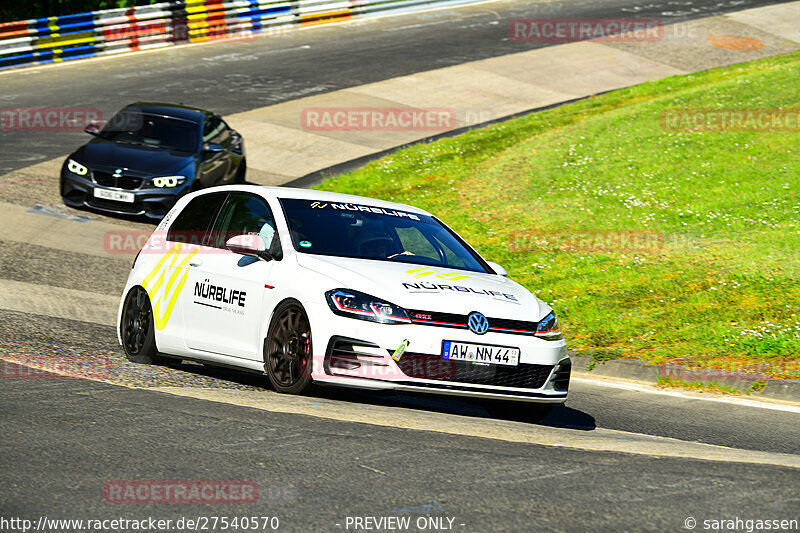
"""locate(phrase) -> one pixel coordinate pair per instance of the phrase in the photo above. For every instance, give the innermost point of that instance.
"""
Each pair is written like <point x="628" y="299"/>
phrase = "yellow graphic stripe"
<point x="452" y="277"/>
<point x="181" y="270"/>
<point x="422" y="272"/>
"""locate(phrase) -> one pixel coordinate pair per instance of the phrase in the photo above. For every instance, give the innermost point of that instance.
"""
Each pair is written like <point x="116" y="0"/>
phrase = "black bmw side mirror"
<point x="213" y="148"/>
<point x="92" y="128"/>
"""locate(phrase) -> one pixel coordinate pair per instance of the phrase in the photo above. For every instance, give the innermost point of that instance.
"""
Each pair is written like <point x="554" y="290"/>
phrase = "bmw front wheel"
<point x="241" y="172"/>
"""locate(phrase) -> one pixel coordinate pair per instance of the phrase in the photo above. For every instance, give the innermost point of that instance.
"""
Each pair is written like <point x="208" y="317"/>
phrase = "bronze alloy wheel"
<point x="287" y="349"/>
<point x="137" y="329"/>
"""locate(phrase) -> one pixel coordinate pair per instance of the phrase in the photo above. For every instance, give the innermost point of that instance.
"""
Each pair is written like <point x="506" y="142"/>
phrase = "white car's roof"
<point x="323" y="196"/>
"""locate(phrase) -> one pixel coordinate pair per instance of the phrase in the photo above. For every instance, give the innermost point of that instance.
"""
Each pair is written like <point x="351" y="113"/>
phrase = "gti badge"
<point x="478" y="323"/>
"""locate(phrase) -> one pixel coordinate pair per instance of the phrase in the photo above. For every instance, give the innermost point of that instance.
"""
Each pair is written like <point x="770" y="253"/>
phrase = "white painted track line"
<point x="651" y="389"/>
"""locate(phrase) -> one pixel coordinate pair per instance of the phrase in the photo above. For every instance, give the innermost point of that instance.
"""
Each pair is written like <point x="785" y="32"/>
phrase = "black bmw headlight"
<point x="167" y="181"/>
<point x="76" y="168"/>
<point x="356" y="304"/>
<point x="548" y="329"/>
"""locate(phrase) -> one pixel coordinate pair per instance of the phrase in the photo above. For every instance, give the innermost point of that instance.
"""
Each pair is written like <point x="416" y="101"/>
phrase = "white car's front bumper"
<point x="357" y="353"/>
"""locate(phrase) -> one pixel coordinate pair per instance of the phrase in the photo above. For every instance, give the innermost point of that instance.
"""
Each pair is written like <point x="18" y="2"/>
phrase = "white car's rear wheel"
<point x="137" y="329"/>
<point x="287" y="349"/>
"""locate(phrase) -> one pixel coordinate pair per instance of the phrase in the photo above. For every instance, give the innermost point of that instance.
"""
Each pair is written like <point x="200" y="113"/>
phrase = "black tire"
<point x="241" y="172"/>
<point x="137" y="329"/>
<point x="288" y="349"/>
<point x="518" y="411"/>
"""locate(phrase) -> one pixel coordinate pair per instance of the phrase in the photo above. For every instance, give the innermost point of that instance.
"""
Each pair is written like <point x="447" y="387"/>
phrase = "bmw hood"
<point x="424" y="288"/>
<point x="101" y="153"/>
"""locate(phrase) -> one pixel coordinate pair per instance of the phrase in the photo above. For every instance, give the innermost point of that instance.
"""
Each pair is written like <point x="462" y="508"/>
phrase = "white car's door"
<point x="224" y="312"/>
<point x="165" y="266"/>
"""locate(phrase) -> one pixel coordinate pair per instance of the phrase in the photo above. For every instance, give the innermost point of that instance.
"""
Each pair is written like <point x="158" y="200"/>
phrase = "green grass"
<point x="711" y="220"/>
<point x="702" y="386"/>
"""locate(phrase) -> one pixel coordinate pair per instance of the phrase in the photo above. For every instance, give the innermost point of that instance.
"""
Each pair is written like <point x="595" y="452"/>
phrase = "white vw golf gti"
<point x="315" y="287"/>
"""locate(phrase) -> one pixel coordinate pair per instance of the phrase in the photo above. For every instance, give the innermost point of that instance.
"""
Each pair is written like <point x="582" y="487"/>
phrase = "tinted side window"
<point x="245" y="214"/>
<point x="192" y="223"/>
<point x="212" y="127"/>
<point x="223" y="136"/>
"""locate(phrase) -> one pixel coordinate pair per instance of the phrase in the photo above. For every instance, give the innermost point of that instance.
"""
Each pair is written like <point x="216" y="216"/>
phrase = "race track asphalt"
<point x="65" y="439"/>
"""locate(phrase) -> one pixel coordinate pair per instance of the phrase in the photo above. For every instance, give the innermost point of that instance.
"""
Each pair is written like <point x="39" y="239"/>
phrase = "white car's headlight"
<point x="76" y="168"/>
<point x="548" y="329"/>
<point x="355" y="304"/>
<point x="168" y="181"/>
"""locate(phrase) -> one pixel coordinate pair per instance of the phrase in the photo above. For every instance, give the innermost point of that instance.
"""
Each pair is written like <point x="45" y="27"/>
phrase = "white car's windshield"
<point x="369" y="232"/>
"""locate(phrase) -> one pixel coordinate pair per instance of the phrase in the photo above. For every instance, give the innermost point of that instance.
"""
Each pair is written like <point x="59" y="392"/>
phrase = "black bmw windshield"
<point x="135" y="127"/>
<point x="367" y="232"/>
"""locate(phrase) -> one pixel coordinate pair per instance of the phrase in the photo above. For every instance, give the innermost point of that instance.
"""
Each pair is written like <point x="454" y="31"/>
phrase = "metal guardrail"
<point x="115" y="31"/>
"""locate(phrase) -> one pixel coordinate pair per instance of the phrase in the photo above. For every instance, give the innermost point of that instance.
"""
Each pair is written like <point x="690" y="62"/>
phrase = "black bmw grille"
<point x="105" y="179"/>
<point x="123" y="182"/>
<point x="426" y="366"/>
<point x="110" y="205"/>
<point x="129" y="182"/>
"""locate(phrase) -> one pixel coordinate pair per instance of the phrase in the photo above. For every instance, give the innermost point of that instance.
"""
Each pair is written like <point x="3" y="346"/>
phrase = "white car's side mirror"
<point x="500" y="271"/>
<point x="252" y="245"/>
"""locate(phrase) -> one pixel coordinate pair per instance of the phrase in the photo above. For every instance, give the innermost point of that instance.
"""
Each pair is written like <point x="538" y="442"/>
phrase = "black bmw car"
<point x="149" y="155"/>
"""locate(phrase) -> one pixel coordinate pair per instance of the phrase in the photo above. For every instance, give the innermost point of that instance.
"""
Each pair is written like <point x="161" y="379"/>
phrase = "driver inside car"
<point x="375" y="245"/>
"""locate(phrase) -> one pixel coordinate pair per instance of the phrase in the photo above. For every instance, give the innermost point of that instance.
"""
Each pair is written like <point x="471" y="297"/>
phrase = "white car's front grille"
<point x="452" y="320"/>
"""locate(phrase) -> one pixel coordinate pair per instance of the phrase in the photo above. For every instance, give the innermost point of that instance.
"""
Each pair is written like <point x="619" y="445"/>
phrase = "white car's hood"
<point x="423" y="288"/>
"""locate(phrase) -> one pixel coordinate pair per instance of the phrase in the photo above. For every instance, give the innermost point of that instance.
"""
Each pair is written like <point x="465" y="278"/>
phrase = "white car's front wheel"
<point x="287" y="349"/>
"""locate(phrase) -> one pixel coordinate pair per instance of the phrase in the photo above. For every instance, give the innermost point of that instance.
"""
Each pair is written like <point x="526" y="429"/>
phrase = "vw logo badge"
<point x="478" y="323"/>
